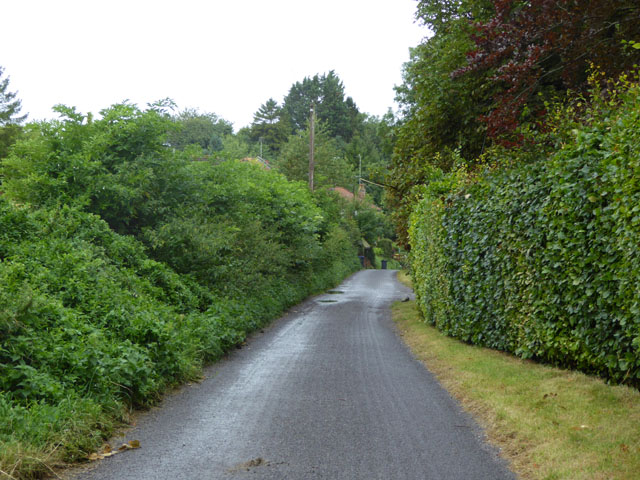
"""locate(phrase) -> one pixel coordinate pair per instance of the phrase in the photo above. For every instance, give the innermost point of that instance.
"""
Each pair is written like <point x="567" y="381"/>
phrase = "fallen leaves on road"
<point x="108" y="451"/>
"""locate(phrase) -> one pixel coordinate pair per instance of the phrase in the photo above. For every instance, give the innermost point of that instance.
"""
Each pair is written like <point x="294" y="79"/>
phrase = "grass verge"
<point x="550" y="423"/>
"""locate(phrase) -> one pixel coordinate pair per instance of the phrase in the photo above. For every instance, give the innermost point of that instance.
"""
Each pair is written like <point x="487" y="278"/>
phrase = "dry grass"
<point x="549" y="423"/>
<point x="19" y="462"/>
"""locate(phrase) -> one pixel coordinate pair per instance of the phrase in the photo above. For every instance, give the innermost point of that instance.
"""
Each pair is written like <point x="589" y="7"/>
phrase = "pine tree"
<point x="270" y="127"/>
<point x="10" y="106"/>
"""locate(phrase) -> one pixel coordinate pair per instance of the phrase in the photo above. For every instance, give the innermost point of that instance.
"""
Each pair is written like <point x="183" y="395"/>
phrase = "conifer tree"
<point x="10" y="106"/>
<point x="10" y="121"/>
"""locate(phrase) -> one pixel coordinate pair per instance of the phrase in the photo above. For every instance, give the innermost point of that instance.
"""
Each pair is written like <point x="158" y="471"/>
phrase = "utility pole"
<point x="311" y="146"/>
<point x="361" y="189"/>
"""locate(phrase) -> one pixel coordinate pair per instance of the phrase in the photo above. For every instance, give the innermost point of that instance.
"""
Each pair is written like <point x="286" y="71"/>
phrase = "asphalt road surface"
<point x="329" y="391"/>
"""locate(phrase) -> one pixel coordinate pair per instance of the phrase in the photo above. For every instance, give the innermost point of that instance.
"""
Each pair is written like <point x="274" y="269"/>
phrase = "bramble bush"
<point x="542" y="259"/>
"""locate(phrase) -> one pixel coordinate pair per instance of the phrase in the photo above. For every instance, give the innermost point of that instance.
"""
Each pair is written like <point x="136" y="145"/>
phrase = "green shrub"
<point x="386" y="247"/>
<point x="125" y="266"/>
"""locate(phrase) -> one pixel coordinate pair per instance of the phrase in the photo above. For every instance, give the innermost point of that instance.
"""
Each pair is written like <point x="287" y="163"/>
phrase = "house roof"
<point x="347" y="195"/>
<point x="343" y="192"/>
<point x="257" y="161"/>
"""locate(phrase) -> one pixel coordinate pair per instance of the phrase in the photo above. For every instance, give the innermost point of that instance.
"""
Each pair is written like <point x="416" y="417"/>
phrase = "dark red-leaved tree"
<point x="539" y="48"/>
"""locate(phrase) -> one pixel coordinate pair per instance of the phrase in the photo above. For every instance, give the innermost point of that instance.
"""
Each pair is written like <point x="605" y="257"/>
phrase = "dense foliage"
<point x="514" y="178"/>
<point x="488" y="73"/>
<point x="326" y="94"/>
<point x="270" y="128"/>
<point x="331" y="167"/>
<point x="138" y="244"/>
<point x="440" y="114"/>
<point x="347" y="142"/>
<point x="126" y="263"/>
<point x="204" y="130"/>
<point x="542" y="48"/>
<point x="10" y="118"/>
<point x="541" y="259"/>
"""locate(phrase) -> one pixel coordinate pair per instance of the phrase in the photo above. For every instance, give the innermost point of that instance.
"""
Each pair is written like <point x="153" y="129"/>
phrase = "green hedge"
<point x="543" y="260"/>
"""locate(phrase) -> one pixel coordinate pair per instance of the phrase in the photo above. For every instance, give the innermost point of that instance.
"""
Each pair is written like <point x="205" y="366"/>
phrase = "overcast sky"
<point x="221" y="56"/>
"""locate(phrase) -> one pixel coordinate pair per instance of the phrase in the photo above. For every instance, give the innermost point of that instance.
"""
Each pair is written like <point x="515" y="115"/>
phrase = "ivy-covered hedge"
<point x="543" y="260"/>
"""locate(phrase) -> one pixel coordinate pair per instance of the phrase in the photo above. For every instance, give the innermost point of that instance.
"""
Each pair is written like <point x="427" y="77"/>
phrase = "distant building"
<point x="257" y="161"/>
<point x="344" y="193"/>
<point x="347" y="195"/>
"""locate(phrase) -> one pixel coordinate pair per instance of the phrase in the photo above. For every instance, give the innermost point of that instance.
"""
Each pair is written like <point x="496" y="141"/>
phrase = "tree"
<point x="331" y="167"/>
<point x="440" y="15"/>
<point x="268" y="113"/>
<point x="10" y="121"/>
<point x="118" y="167"/>
<point x="270" y="127"/>
<point x="369" y="151"/>
<point x="10" y="106"/>
<point x="8" y="136"/>
<point x="440" y="118"/>
<point x="326" y="93"/>
<point x="540" y="49"/>
<point x="206" y="130"/>
<point x="235" y="147"/>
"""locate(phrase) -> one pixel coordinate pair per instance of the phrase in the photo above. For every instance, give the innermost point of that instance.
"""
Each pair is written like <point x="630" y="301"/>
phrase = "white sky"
<point x="221" y="56"/>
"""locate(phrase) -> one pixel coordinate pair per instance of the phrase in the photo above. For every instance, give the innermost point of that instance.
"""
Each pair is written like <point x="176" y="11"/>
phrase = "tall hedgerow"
<point x="541" y="260"/>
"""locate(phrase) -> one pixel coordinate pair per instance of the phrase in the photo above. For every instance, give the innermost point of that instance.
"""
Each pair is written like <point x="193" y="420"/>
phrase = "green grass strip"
<point x="549" y="423"/>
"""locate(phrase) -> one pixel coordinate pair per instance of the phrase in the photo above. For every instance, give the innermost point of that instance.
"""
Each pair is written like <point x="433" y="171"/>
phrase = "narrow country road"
<point x="327" y="392"/>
